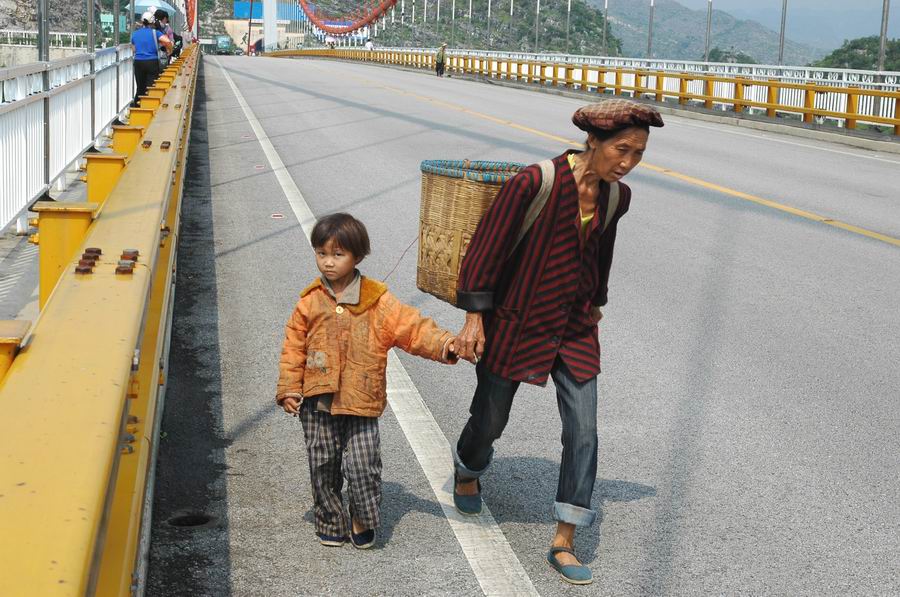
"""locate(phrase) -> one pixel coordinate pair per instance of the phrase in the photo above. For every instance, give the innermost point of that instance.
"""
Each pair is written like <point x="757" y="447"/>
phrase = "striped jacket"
<point x="537" y="303"/>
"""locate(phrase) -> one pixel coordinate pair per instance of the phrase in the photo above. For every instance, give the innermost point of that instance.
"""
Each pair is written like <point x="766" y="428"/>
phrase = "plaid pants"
<point x="342" y="446"/>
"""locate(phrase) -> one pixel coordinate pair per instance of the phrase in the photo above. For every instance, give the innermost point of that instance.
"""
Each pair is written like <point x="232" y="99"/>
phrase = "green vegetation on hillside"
<point x="862" y="54"/>
<point x="512" y="34"/>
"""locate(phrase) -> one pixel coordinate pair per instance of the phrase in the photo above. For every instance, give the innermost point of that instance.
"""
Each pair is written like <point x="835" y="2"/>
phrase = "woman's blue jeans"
<point x="578" y="411"/>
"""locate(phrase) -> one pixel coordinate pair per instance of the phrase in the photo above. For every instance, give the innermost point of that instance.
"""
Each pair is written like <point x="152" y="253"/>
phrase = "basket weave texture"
<point x="455" y="195"/>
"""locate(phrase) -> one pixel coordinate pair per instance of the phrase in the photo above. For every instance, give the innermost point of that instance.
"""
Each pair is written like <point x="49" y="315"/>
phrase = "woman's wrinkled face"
<point x="614" y="158"/>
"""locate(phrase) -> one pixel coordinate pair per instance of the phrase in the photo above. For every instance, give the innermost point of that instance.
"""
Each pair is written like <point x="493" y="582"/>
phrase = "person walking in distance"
<point x="146" y="42"/>
<point x="533" y="307"/>
<point x="440" y="59"/>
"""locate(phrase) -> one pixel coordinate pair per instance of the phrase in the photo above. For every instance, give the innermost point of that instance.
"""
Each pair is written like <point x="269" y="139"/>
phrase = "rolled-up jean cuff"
<point x="464" y="472"/>
<point x="581" y="517"/>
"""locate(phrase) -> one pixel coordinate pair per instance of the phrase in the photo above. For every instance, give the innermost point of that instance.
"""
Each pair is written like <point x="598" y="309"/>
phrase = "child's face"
<point x="335" y="263"/>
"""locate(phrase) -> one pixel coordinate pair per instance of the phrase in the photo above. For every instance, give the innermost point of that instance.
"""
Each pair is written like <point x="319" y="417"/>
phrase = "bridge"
<point x="748" y="426"/>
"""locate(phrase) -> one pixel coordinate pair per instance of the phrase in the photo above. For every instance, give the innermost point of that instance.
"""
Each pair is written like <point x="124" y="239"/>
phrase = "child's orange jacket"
<point x="342" y="349"/>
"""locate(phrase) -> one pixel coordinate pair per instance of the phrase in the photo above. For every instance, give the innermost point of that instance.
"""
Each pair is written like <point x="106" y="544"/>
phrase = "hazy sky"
<point x="821" y="22"/>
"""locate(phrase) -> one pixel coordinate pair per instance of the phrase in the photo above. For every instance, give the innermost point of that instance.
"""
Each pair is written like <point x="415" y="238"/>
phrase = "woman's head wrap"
<point x="614" y="114"/>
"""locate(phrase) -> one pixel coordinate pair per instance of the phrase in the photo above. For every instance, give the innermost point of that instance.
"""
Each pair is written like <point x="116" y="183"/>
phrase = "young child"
<point x="332" y="374"/>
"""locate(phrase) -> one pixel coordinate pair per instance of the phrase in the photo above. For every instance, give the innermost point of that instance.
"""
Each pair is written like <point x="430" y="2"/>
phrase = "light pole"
<point x="708" y="29"/>
<point x="605" y="24"/>
<point x="884" y="29"/>
<point x="490" y="43"/>
<point x="783" y="24"/>
<point x="650" y="31"/>
<point x="470" y="23"/>
<point x="452" y="21"/>
<point x="537" y="20"/>
<point x="568" y="21"/>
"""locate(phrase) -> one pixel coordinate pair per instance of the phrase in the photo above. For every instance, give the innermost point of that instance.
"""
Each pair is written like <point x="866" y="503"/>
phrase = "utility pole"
<point x="568" y="21"/>
<point x="249" y="26"/>
<point x="650" y="31"/>
<point x="43" y="19"/>
<point x="452" y="21"/>
<point x="537" y="20"/>
<point x="116" y="35"/>
<point x="490" y="42"/>
<point x="882" y="50"/>
<point x="92" y="48"/>
<point x="605" y="24"/>
<point x="708" y="29"/>
<point x="783" y="25"/>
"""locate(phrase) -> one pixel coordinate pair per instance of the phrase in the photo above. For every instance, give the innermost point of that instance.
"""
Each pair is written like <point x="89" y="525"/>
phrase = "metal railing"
<point x="82" y="398"/>
<point x="845" y="97"/>
<point x="65" y="39"/>
<point x="51" y="113"/>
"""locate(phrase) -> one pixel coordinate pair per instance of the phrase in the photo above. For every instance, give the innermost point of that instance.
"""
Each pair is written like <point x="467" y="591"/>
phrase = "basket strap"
<point x="613" y="205"/>
<point x="548" y="176"/>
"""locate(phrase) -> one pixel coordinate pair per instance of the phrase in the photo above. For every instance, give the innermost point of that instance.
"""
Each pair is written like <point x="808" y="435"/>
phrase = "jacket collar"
<point x="369" y="293"/>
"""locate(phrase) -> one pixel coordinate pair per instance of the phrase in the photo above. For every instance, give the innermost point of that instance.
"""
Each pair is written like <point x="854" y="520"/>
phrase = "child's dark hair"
<point x="346" y="231"/>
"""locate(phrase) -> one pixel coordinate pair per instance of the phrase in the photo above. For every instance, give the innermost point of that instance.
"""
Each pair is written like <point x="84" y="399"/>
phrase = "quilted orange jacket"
<point x="342" y="349"/>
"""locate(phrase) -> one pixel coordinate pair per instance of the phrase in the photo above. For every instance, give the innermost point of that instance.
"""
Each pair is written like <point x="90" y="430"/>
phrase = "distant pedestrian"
<point x="162" y="23"/>
<point x="146" y="42"/>
<point x="439" y="60"/>
<point x="532" y="311"/>
<point x="370" y="45"/>
<point x="333" y="376"/>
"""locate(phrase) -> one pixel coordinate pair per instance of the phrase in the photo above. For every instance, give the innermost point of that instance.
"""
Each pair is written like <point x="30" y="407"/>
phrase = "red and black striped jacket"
<point x="537" y="303"/>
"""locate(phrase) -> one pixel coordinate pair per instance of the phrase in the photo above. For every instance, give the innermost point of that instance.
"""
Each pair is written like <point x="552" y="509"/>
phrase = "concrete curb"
<point x="801" y="130"/>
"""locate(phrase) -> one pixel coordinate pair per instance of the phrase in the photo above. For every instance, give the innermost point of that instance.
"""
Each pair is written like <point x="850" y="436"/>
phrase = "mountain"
<point x="862" y="54"/>
<point x="512" y="34"/>
<point x="680" y="33"/>
<point x="823" y="26"/>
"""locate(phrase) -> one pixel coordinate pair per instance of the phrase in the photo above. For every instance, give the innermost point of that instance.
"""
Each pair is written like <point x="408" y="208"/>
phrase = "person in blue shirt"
<point x="146" y="42"/>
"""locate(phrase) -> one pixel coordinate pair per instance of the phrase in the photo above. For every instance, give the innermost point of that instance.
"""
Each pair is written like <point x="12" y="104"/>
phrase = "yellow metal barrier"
<point x="549" y="74"/>
<point x="80" y="401"/>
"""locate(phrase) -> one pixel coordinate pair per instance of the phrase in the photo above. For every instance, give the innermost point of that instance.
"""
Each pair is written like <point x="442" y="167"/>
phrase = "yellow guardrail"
<point x="80" y="403"/>
<point x="646" y="83"/>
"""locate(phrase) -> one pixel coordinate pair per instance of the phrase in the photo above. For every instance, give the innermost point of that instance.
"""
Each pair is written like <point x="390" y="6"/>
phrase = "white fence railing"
<point x="789" y="97"/>
<point x="65" y="39"/>
<point x="50" y="114"/>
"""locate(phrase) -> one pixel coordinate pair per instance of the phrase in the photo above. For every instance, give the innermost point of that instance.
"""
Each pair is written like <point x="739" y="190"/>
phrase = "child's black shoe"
<point x="331" y="540"/>
<point x="363" y="540"/>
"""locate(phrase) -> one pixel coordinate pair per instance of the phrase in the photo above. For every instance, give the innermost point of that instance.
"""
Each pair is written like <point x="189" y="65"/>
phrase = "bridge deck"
<point x="748" y="423"/>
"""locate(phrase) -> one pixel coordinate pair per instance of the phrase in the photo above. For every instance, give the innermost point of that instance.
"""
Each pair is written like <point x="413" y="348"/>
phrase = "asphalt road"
<point x="749" y="426"/>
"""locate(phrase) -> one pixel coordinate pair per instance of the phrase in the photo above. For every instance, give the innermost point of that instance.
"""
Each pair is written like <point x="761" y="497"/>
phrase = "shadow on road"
<point x="193" y="560"/>
<point x="528" y="491"/>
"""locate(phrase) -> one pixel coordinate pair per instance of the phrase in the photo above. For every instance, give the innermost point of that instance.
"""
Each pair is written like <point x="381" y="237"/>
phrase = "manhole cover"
<point x="191" y="519"/>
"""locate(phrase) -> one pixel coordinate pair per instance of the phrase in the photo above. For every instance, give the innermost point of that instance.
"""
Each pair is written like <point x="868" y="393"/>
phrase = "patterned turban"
<point x="614" y="114"/>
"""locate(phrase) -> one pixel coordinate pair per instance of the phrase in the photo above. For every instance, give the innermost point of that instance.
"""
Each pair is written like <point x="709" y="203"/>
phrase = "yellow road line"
<point x="658" y="169"/>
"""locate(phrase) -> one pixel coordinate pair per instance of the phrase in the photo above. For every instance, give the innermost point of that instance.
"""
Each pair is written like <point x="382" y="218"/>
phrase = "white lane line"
<point x="492" y="560"/>
<point x="774" y="138"/>
<point x="294" y="196"/>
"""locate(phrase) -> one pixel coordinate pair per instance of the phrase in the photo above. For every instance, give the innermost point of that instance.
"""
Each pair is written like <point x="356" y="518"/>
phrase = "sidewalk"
<point x="19" y="258"/>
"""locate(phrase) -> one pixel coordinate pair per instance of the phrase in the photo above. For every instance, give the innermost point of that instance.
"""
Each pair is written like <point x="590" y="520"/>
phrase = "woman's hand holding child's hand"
<point x="449" y="355"/>
<point x="291" y="405"/>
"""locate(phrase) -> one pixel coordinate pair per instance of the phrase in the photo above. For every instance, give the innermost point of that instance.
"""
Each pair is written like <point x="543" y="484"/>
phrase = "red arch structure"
<point x="372" y="13"/>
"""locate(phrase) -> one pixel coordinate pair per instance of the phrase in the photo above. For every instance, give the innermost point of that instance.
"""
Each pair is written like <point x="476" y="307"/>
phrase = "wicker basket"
<point x="455" y="194"/>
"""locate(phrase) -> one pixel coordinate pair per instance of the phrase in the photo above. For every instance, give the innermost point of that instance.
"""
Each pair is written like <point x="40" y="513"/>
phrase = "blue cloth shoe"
<point x="469" y="505"/>
<point x="575" y="574"/>
<point x="331" y="540"/>
<point x="363" y="540"/>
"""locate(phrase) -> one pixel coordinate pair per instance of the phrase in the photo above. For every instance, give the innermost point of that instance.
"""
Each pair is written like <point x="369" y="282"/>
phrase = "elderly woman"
<point x="533" y="303"/>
